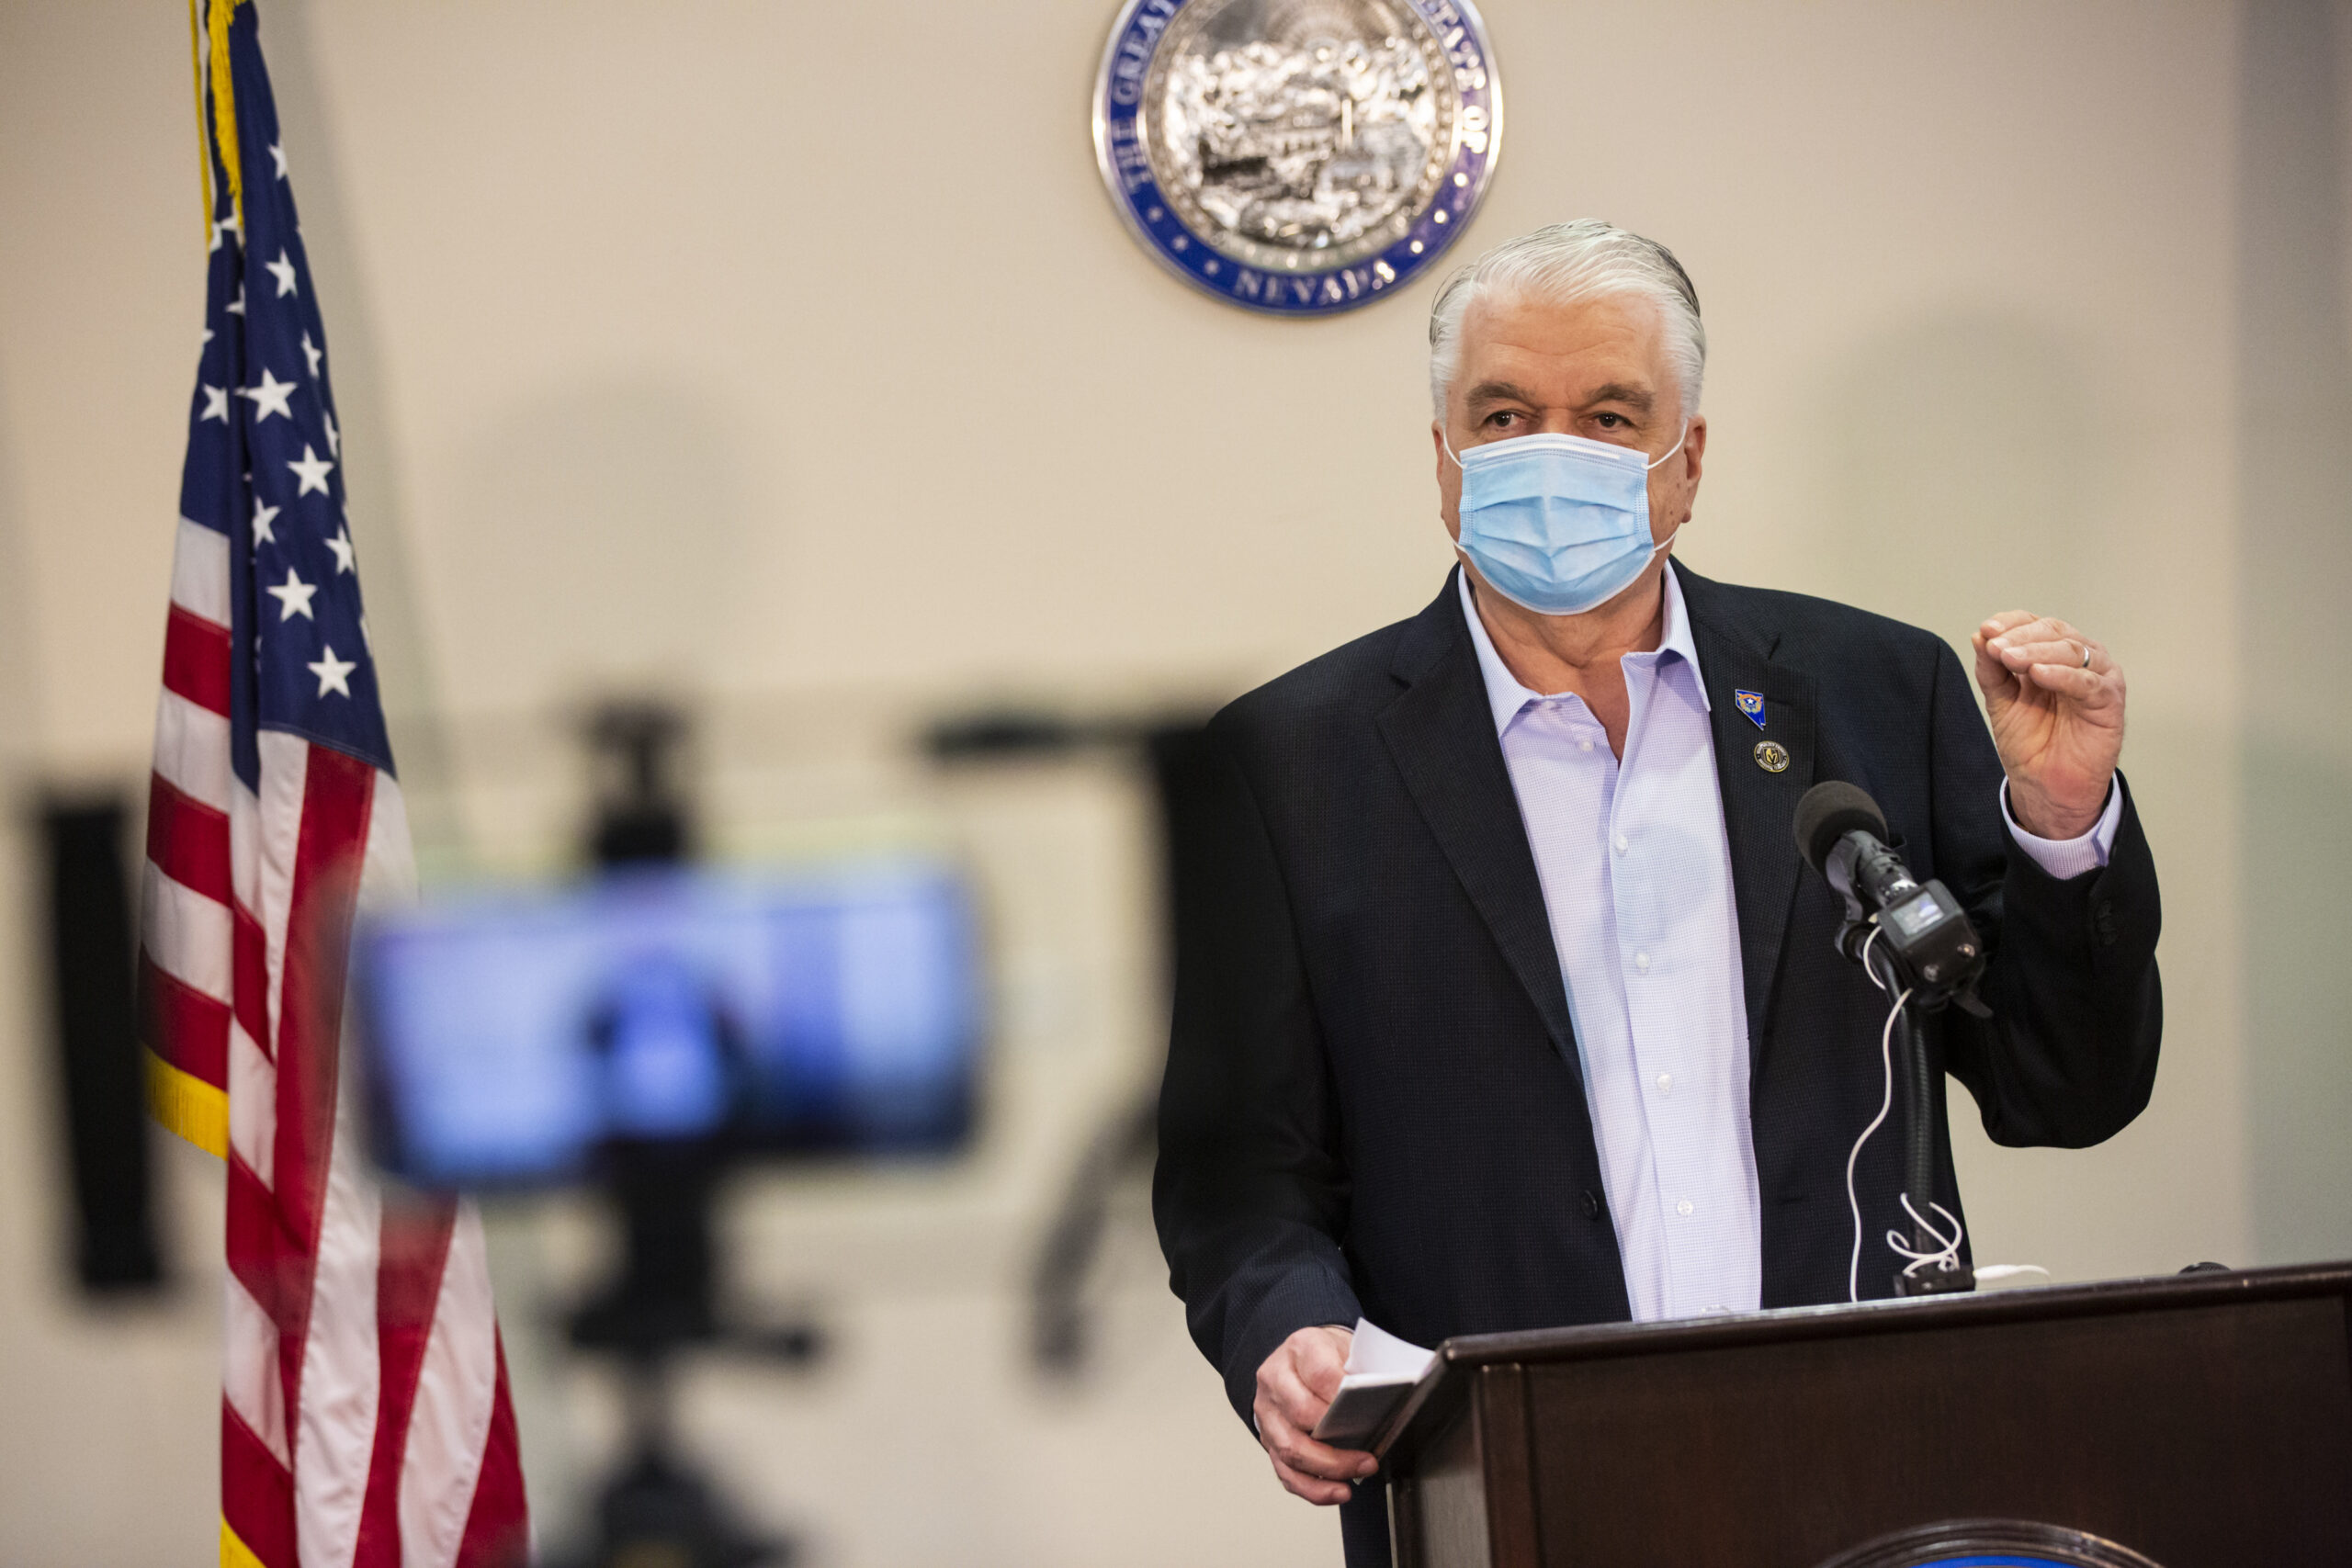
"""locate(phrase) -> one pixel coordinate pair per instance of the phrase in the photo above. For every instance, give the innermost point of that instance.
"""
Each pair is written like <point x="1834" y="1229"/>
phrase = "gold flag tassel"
<point x="208" y="23"/>
<point x="181" y="1101"/>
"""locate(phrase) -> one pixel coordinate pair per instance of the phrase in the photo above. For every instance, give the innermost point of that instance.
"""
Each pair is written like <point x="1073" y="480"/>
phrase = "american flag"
<point x="365" y="1418"/>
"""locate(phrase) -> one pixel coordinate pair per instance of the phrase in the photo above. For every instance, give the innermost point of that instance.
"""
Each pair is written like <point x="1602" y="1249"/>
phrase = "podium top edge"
<point x="2093" y="1298"/>
<point x="2165" y="1292"/>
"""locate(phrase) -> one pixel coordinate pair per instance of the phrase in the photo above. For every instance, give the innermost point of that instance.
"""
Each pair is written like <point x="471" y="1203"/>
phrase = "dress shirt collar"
<point x="1505" y="696"/>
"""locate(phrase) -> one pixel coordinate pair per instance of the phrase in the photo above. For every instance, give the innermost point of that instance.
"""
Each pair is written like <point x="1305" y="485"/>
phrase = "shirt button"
<point x="1642" y="962"/>
<point x="1622" y="843"/>
<point x="1666" y="1083"/>
<point x="1683" y="1207"/>
<point x="1584" y="745"/>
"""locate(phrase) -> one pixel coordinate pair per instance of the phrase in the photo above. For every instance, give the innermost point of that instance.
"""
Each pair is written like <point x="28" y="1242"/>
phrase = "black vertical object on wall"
<point x="103" y="1087"/>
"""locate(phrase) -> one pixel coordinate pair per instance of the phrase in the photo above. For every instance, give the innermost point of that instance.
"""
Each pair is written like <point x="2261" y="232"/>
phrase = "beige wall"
<point x="2295" y="496"/>
<point x="792" y="354"/>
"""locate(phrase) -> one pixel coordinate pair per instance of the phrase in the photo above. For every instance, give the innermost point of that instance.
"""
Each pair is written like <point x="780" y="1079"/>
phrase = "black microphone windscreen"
<point x="1828" y="812"/>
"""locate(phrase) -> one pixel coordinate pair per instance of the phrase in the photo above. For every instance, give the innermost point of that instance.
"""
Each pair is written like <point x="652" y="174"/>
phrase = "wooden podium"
<point x="2200" y="1421"/>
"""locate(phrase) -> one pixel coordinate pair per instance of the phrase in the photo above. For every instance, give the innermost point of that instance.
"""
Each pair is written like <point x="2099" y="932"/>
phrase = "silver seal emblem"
<point x="1298" y="156"/>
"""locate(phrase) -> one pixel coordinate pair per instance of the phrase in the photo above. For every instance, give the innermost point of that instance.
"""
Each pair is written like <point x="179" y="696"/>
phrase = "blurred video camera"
<point x="645" y="1031"/>
<point x="520" y="1039"/>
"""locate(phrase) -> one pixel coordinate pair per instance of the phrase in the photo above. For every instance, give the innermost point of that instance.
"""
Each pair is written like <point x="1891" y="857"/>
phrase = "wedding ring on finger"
<point x="2086" y="656"/>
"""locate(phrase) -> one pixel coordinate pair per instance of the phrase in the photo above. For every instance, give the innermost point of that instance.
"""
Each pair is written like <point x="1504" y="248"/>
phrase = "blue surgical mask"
<point x="1558" y="525"/>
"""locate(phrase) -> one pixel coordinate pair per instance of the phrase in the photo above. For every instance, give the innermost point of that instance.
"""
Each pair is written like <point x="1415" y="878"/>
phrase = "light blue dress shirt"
<point x="1635" y="867"/>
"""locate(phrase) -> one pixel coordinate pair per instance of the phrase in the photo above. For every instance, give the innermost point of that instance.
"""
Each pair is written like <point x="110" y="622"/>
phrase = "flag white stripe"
<point x="244" y="846"/>
<point x="192" y="751"/>
<point x="285" y="770"/>
<point x="184" y="933"/>
<point x="200" y="572"/>
<point x="340" y="1392"/>
<point x="249" y="1372"/>
<point x="457" y="1387"/>
<point x="388" y="868"/>
<point x="253" y="1105"/>
<point x="334" y="1444"/>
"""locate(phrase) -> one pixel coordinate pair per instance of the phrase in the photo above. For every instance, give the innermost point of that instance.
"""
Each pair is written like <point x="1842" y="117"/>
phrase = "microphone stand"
<point x="1913" y="1074"/>
<point x="1915" y="941"/>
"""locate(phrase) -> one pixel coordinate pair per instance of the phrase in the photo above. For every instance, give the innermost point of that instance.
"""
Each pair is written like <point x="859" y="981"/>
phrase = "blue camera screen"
<point x="507" y="1040"/>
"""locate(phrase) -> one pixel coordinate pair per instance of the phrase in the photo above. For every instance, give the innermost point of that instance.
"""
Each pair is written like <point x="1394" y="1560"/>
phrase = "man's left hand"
<point x="2055" y="700"/>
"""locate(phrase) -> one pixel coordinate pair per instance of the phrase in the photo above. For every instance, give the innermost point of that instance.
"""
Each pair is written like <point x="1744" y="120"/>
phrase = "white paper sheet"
<point x="1381" y="1370"/>
<point x="1377" y="1353"/>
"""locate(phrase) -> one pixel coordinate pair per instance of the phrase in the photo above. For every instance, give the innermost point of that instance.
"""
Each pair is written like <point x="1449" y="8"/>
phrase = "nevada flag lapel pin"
<point x="1752" y="705"/>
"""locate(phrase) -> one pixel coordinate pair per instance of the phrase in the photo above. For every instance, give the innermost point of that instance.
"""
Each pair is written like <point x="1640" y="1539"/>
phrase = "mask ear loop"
<point x="1669" y="451"/>
<point x="1661" y="464"/>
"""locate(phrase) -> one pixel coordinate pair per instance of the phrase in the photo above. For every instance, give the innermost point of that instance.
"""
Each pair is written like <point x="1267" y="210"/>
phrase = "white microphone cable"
<point x="1946" y="1256"/>
<point x="1885" y="1105"/>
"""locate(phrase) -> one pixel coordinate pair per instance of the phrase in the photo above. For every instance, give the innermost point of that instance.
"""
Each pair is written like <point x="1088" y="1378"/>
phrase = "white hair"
<point x="1565" y="262"/>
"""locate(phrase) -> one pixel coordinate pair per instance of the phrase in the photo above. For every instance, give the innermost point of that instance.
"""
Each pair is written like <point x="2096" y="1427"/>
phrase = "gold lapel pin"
<point x="1771" y="756"/>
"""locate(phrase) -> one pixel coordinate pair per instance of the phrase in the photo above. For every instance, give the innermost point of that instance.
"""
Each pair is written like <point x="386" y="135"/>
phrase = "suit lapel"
<point x="1441" y="734"/>
<point x="1759" y="804"/>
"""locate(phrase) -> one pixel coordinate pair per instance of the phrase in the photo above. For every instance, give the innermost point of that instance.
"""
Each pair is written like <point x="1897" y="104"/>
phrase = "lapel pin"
<point x="1771" y="756"/>
<point x="1752" y="705"/>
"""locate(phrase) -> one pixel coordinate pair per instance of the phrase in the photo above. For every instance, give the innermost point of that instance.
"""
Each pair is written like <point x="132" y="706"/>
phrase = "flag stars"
<point x="313" y="354"/>
<point x="263" y="515"/>
<point x="237" y="305"/>
<point x="313" y="470"/>
<point x="222" y="227"/>
<point x="278" y="158"/>
<point x="334" y="437"/>
<point x="334" y="673"/>
<point x="293" y="598"/>
<point x="341" y="545"/>
<point x="216" y="404"/>
<point x="270" y="397"/>
<point x="282" y="270"/>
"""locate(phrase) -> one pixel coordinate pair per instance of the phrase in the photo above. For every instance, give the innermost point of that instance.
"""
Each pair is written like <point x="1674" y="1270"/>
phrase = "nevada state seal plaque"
<point x="1298" y="157"/>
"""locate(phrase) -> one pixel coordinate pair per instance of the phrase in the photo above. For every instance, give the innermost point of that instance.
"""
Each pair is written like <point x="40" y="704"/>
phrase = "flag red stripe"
<point x="195" y="660"/>
<point x="498" y="1529"/>
<point x="412" y="1249"/>
<point x="257" y="1494"/>
<point x="275" y="1271"/>
<point x="188" y="839"/>
<point x="182" y="1025"/>
<point x="248" y="968"/>
<point x="276" y="1267"/>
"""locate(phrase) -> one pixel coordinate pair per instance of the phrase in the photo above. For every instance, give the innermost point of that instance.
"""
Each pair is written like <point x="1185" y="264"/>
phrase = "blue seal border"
<point x="1126" y="172"/>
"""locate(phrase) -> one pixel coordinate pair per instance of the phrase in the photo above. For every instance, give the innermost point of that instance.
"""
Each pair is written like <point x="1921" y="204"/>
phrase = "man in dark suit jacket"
<point x="1483" y="1026"/>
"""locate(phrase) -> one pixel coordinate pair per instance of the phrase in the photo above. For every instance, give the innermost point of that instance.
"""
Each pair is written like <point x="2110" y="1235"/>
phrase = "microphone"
<point x="1921" y="928"/>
